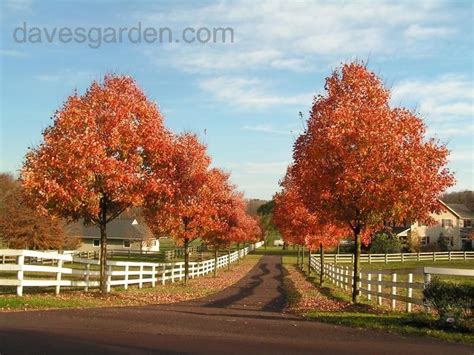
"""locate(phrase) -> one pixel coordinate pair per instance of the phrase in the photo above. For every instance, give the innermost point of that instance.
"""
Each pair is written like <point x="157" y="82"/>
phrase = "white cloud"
<point x="417" y="32"/>
<point x="461" y="156"/>
<point x="12" y="53"/>
<point x="249" y="93"/>
<point x="257" y="179"/>
<point x="286" y="35"/>
<point x="68" y="76"/>
<point x="258" y="168"/>
<point x="269" y="128"/>
<point x="212" y="60"/>
<point x="451" y="129"/>
<point x="18" y="5"/>
<point x="447" y="98"/>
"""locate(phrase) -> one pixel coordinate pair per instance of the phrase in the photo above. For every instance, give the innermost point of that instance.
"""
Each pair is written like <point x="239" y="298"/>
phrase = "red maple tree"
<point x="361" y="162"/>
<point x="187" y="212"/>
<point x="300" y="226"/>
<point x="223" y="204"/>
<point x="104" y="151"/>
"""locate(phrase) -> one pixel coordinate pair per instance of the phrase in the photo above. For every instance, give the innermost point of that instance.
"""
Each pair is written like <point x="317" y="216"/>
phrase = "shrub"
<point x="432" y="247"/>
<point x="453" y="302"/>
<point x="385" y="243"/>
<point x="412" y="242"/>
<point x="443" y="243"/>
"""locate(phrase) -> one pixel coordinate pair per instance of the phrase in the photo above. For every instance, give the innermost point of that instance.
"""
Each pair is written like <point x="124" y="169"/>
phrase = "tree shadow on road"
<point x="259" y="288"/>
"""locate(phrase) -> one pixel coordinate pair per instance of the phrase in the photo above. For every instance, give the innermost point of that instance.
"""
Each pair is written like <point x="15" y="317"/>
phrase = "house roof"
<point x="116" y="229"/>
<point x="400" y="231"/>
<point x="461" y="210"/>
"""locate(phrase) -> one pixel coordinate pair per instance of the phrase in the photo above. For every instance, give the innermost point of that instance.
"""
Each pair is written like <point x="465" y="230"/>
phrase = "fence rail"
<point x="68" y="270"/>
<point x="397" y="285"/>
<point x="402" y="257"/>
<point x="166" y="254"/>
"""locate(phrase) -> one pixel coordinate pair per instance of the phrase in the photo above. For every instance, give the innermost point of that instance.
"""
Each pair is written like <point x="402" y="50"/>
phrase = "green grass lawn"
<point x="44" y="298"/>
<point x="440" y="264"/>
<point x="365" y="315"/>
<point x="6" y="290"/>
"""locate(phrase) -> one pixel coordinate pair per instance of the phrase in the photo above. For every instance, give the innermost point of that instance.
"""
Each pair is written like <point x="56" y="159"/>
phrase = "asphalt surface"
<point x="245" y="318"/>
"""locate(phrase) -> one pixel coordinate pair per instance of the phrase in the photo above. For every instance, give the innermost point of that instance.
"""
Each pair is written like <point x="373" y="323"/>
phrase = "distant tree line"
<point x="463" y="197"/>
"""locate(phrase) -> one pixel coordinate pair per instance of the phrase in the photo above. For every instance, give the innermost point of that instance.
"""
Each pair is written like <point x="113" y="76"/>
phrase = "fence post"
<point x="321" y="261"/>
<point x="58" y="276"/>
<point x="19" y="274"/>
<point x="418" y="259"/>
<point x="154" y="276"/>
<point x="109" y="277"/>
<point x="386" y="258"/>
<point x="449" y="253"/>
<point x="394" y="291"/>
<point x="434" y="256"/>
<point x="379" y="289"/>
<point x="409" y="291"/>
<point x="465" y="256"/>
<point x="370" y="259"/>
<point x="346" y="279"/>
<point x="309" y="262"/>
<point x="126" y="276"/>
<point x="140" y="280"/>
<point x="403" y="257"/>
<point x="163" y="275"/>
<point x="369" y="286"/>
<point x="360" y="283"/>
<point x="87" y="276"/>
<point x="427" y="280"/>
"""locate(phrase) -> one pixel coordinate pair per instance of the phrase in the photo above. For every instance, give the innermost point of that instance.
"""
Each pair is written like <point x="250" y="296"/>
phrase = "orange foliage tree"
<point x="298" y="225"/>
<point x="187" y="212"/>
<point x="23" y="227"/>
<point x="233" y="225"/>
<point x="223" y="204"/>
<point x="361" y="162"/>
<point x="104" y="151"/>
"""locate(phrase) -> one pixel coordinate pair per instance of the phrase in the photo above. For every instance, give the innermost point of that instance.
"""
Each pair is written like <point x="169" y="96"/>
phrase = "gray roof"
<point x="461" y="210"/>
<point x="400" y="230"/>
<point x="116" y="229"/>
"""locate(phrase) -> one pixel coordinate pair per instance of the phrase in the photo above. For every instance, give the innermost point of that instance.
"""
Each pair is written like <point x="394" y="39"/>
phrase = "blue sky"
<point x="243" y="98"/>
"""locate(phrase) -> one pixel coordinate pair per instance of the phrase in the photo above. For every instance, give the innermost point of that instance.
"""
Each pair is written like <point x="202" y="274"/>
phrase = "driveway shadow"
<point x="258" y="285"/>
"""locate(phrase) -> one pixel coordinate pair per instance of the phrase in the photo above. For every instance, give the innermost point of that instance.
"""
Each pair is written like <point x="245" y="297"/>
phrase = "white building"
<point x="454" y="222"/>
<point x="122" y="234"/>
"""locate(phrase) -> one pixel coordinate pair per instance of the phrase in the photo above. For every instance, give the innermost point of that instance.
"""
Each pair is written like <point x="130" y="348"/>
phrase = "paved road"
<point x="243" y="319"/>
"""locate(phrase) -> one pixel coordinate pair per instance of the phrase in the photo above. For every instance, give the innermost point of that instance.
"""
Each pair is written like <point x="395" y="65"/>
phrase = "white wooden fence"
<point x="397" y="285"/>
<point x="401" y="257"/>
<point x="67" y="270"/>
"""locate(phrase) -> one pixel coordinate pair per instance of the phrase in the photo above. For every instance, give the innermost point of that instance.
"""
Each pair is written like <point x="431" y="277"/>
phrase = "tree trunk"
<point x="321" y="255"/>
<point x="186" y="260"/>
<point x="103" y="245"/>
<point x="356" y="279"/>
<point x="215" y="262"/>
